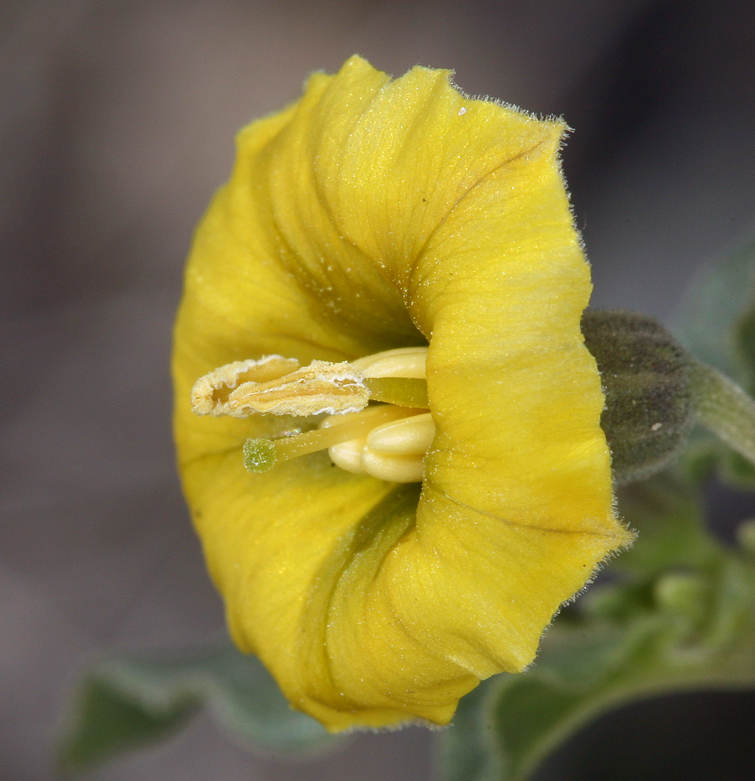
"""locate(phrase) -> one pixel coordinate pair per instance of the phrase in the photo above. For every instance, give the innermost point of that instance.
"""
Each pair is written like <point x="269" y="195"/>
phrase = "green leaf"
<point x="735" y="470"/>
<point x="715" y="319"/>
<point x="716" y="323"/>
<point x="107" y="723"/>
<point x="744" y="340"/>
<point x="570" y="683"/>
<point x="679" y="614"/>
<point x="667" y="514"/>
<point x="705" y="455"/>
<point x="127" y="703"/>
<point x="468" y="750"/>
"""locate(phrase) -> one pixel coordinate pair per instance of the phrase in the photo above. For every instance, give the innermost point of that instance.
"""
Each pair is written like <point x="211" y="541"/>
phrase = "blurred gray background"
<point x="117" y="122"/>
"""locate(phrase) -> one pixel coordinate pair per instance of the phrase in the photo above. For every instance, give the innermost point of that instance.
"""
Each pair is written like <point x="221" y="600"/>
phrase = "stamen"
<point x="260" y="455"/>
<point x="348" y="455"/>
<point x="400" y="391"/>
<point x="320" y="387"/>
<point x="402" y="362"/>
<point x="210" y="393"/>
<point x="406" y="437"/>
<point x="388" y="441"/>
<point x="276" y="385"/>
<point x="394" y="469"/>
<point x="397" y="376"/>
<point x="392" y="451"/>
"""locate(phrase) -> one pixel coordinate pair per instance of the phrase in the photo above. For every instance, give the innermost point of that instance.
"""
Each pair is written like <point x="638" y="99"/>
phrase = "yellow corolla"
<point x="379" y="583"/>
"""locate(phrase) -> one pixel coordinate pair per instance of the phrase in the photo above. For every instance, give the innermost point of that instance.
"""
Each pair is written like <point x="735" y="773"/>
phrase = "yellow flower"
<point x="372" y="215"/>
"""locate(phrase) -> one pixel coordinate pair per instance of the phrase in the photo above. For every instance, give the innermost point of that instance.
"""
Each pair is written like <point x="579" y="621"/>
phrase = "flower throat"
<point x="387" y="440"/>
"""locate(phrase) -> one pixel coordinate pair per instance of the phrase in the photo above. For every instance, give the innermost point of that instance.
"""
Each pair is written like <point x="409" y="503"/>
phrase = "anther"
<point x="392" y="450"/>
<point x="402" y="362"/>
<point x="387" y="441"/>
<point x="320" y="387"/>
<point x="407" y="437"/>
<point x="210" y="393"/>
<point x="395" y="469"/>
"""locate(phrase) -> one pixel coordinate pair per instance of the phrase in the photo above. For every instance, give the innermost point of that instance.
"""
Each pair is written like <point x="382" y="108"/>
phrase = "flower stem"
<point x="724" y="408"/>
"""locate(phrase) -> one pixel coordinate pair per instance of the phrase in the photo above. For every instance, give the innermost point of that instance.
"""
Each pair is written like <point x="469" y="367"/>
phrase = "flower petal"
<point x="374" y="214"/>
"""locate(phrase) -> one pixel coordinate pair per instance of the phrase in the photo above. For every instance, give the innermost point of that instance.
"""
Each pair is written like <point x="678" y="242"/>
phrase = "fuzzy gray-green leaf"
<point x="127" y="703"/>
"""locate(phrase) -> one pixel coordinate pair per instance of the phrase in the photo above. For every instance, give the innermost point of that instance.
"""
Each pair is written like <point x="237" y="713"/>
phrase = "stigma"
<point x="377" y="418"/>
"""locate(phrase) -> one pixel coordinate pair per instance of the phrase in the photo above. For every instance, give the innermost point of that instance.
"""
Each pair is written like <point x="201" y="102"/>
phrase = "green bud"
<point x="649" y="403"/>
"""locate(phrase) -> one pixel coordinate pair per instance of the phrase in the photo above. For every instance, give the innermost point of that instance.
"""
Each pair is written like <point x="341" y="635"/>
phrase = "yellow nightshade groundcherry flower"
<point x="387" y="421"/>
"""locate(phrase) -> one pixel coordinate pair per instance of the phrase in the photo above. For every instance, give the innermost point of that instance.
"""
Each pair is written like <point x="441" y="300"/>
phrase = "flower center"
<point x="387" y="440"/>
